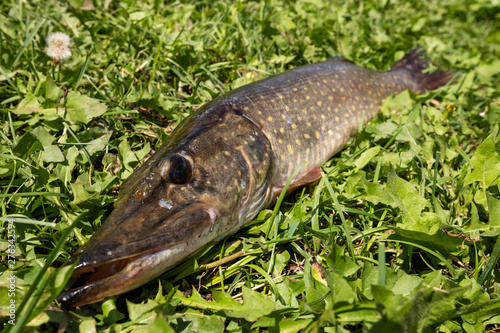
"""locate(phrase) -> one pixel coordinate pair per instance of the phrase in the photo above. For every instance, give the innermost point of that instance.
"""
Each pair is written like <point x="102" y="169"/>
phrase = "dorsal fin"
<point x="412" y="61"/>
<point x="415" y="63"/>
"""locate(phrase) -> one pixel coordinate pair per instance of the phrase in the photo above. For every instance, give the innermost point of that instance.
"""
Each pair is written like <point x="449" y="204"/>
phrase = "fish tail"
<point x="415" y="63"/>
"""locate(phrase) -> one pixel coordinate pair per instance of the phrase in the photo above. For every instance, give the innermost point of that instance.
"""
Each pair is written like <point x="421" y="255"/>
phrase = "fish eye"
<point x="180" y="170"/>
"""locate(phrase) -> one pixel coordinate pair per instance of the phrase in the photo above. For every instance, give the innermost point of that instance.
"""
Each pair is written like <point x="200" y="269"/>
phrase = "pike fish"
<point x="229" y="160"/>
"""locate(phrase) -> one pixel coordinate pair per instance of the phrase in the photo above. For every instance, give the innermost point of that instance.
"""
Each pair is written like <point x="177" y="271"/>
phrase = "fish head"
<point x="192" y="191"/>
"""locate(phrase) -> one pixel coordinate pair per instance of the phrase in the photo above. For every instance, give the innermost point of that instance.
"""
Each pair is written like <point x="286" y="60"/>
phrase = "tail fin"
<point x="414" y="63"/>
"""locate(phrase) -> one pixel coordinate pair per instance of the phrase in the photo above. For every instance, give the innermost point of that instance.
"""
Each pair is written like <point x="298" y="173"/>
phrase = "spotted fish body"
<point x="229" y="160"/>
<point x="309" y="113"/>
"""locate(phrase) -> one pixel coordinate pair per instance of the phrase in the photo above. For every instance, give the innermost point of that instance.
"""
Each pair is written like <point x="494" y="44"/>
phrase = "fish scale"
<point x="309" y="113"/>
<point x="226" y="162"/>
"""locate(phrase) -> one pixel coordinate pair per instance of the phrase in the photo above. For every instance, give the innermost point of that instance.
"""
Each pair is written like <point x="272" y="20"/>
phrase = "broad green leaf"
<point x="98" y="144"/>
<point x="366" y="157"/>
<point x="52" y="154"/>
<point x="100" y="186"/>
<point x="52" y="91"/>
<point x="434" y="279"/>
<point x="437" y="241"/>
<point x="141" y="153"/>
<point x="382" y="130"/>
<point x="400" y="101"/>
<point x="28" y="105"/>
<point x="253" y="307"/>
<point x="402" y="283"/>
<point x="387" y="297"/>
<point x="87" y="326"/>
<point x="493" y="225"/>
<point x="224" y="300"/>
<point x="266" y="321"/>
<point x="342" y="291"/>
<point x="43" y="136"/>
<point x="292" y="325"/>
<point x="377" y="193"/>
<point x="315" y="291"/>
<point x="281" y="262"/>
<point x="79" y="193"/>
<point x="287" y="293"/>
<point x="27" y="145"/>
<point x="411" y="205"/>
<point x="493" y="211"/>
<point x="361" y="311"/>
<point x="110" y="312"/>
<point x="81" y="108"/>
<point x="486" y="71"/>
<point x="196" y="321"/>
<point x="485" y="163"/>
<point x="127" y="156"/>
<point x="256" y="305"/>
<point x="64" y="170"/>
<point x="369" y="277"/>
<point x="475" y="224"/>
<point x="159" y="325"/>
<point x="340" y="263"/>
<point x="136" y="311"/>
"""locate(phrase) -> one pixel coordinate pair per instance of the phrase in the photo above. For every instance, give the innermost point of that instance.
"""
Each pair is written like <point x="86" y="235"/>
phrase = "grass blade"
<point x="31" y="298"/>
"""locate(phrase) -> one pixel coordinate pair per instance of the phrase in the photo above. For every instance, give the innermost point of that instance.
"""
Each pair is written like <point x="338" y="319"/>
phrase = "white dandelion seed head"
<point x="57" y="46"/>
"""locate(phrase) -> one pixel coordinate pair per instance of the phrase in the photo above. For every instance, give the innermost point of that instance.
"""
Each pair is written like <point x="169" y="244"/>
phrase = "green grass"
<point x="417" y="189"/>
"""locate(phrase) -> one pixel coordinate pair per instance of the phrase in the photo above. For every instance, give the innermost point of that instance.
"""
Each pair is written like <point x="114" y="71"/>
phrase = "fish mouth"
<point x="106" y="269"/>
<point x="94" y="283"/>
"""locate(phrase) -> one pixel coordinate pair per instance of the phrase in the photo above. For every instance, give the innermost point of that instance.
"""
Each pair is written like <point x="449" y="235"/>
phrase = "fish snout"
<point x="108" y="266"/>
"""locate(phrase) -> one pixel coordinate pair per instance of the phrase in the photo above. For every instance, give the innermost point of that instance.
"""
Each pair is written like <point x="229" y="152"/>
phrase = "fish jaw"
<point x="100" y="274"/>
<point x="130" y="277"/>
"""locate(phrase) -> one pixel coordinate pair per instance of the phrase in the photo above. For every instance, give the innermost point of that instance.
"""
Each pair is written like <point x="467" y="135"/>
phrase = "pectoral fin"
<point x="309" y="178"/>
